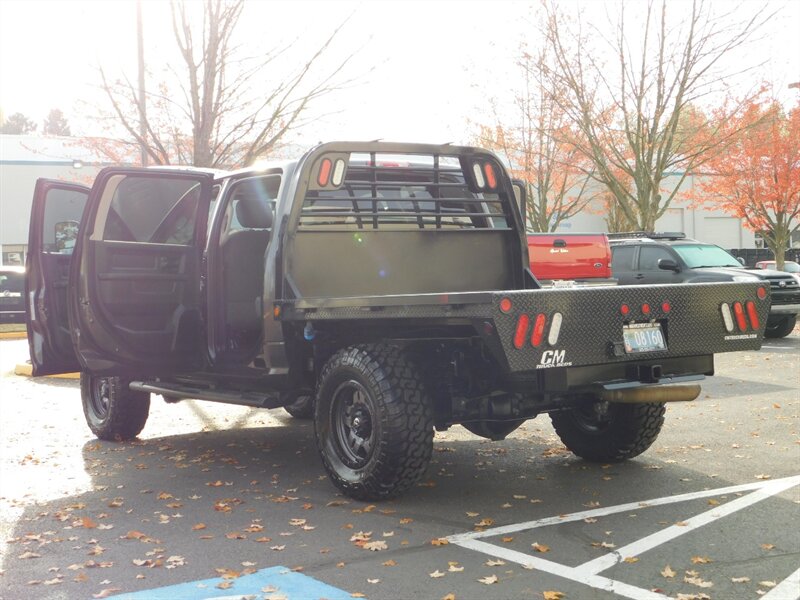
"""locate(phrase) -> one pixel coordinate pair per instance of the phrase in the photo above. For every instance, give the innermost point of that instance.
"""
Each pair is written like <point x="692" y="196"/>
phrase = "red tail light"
<point x="762" y="293"/>
<point x="752" y="313"/>
<point x="505" y="305"/>
<point x="324" y="172"/>
<point x="522" y="331"/>
<point x="538" y="330"/>
<point x="625" y="309"/>
<point x="738" y="311"/>
<point x="646" y="309"/>
<point x="666" y="307"/>
<point x="491" y="179"/>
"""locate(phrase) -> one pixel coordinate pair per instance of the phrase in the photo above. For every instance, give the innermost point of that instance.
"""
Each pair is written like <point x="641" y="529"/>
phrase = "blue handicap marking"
<point x="273" y="582"/>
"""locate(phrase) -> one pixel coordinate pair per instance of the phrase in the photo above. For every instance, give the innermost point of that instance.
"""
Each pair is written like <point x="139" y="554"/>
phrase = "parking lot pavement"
<point x="227" y="502"/>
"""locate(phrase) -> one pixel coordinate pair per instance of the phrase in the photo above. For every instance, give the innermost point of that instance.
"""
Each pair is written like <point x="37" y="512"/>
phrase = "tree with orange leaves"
<point x="757" y="178"/>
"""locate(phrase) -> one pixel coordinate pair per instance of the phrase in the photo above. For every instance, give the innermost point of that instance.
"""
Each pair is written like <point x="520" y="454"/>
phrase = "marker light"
<point x="491" y="179"/>
<point x="625" y="309"/>
<point x="324" y="172"/>
<point x="505" y="305"/>
<point x="646" y="308"/>
<point x="666" y="307"/>
<point x="762" y="293"/>
<point x="338" y="173"/>
<point x="476" y="170"/>
<point x="522" y="331"/>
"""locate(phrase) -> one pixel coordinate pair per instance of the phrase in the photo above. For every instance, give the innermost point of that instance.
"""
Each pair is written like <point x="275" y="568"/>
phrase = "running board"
<point x="185" y="392"/>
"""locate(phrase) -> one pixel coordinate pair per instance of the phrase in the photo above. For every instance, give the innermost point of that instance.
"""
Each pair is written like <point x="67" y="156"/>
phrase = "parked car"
<point x="789" y="266"/>
<point x="12" y="290"/>
<point x="641" y="258"/>
<point x="570" y="259"/>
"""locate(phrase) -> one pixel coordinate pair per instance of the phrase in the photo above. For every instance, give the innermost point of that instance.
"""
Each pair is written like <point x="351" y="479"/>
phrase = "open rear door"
<point x="55" y="218"/>
<point x="135" y="292"/>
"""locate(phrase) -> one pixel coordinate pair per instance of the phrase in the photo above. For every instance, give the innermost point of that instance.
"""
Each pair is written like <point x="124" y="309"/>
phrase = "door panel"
<point x="137" y="294"/>
<point x="56" y="214"/>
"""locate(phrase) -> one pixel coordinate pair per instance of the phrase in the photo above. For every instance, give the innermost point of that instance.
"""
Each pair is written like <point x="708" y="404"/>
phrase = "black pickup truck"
<point x="381" y="289"/>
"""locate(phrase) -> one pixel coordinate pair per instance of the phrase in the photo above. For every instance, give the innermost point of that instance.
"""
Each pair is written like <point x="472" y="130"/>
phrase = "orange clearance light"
<point x="646" y="308"/>
<point x="625" y="309"/>
<point x="752" y="313"/>
<point x="491" y="178"/>
<point x="762" y="293"/>
<point x="538" y="330"/>
<point x="276" y="311"/>
<point x="738" y="312"/>
<point x="505" y="305"/>
<point x="522" y="331"/>
<point x="324" y="172"/>
<point x="666" y="307"/>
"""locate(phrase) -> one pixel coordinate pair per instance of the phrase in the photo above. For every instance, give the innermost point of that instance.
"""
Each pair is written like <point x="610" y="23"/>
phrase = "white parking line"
<point x="587" y="573"/>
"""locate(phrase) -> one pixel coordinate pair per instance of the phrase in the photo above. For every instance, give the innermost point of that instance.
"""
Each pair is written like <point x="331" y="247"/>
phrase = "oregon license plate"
<point x="643" y="337"/>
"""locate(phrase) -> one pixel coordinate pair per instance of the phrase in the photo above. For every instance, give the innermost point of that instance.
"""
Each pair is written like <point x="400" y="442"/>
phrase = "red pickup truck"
<point x="584" y="258"/>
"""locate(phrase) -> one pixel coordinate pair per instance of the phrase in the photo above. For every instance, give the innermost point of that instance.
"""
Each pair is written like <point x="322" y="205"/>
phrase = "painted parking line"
<point x="275" y="581"/>
<point x="588" y="573"/>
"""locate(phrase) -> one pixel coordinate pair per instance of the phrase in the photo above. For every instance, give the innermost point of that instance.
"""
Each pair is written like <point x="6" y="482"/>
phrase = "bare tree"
<point x="537" y="143"/>
<point x="216" y="110"/>
<point x="636" y="118"/>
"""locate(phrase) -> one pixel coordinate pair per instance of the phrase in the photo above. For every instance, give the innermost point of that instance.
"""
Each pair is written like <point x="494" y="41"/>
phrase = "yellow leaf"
<point x="507" y="540"/>
<point x="449" y="597"/>
<point x="668" y="572"/>
<point x="198" y="527"/>
<point x="224" y="585"/>
<point x="453" y="568"/>
<point x="767" y="546"/>
<point x="551" y="595"/>
<point x="631" y="559"/>
<point x="389" y="563"/>
<point x="540" y="547"/>
<point x="701" y="560"/>
<point x="406" y="520"/>
<point x="439" y="542"/>
<point x="485" y="523"/>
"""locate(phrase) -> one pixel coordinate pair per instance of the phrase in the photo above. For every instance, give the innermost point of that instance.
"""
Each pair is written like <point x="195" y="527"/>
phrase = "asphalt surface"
<point x="218" y="492"/>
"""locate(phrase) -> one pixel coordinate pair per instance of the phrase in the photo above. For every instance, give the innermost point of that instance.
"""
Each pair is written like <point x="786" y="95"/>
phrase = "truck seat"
<point x="243" y="264"/>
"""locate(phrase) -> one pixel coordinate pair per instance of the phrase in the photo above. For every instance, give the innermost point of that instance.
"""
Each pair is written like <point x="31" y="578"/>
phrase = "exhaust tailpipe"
<point x="666" y="393"/>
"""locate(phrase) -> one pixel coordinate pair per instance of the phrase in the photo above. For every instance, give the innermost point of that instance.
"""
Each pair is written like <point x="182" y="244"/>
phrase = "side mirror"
<point x="742" y="261"/>
<point x="521" y="196"/>
<point x="668" y="264"/>
<point x="66" y="235"/>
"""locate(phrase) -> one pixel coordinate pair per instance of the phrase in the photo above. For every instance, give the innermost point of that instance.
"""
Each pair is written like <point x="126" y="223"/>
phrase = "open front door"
<point x="135" y="292"/>
<point x="55" y="218"/>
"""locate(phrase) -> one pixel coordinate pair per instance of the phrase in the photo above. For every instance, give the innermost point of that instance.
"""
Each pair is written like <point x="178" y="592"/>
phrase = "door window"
<point x="622" y="258"/>
<point x="151" y="210"/>
<point x="650" y="255"/>
<point x="62" y="216"/>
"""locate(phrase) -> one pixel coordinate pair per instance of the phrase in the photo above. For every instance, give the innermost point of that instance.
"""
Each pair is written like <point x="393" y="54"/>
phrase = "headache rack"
<point x="652" y="235"/>
<point x="404" y="192"/>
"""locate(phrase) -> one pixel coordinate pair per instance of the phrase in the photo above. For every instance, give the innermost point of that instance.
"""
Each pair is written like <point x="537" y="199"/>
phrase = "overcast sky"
<point x="426" y="66"/>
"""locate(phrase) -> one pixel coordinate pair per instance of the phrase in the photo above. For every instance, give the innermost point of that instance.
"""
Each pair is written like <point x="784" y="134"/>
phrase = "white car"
<point x="789" y="266"/>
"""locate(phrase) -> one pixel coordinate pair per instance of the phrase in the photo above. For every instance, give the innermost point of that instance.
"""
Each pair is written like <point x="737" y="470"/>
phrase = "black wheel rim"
<point x="100" y="397"/>
<point x="586" y="418"/>
<point x="352" y="416"/>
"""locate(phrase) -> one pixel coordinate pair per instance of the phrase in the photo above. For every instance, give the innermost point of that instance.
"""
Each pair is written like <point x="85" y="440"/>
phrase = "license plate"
<point x="643" y="337"/>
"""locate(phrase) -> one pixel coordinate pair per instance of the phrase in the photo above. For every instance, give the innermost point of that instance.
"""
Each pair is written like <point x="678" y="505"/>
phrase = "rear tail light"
<point x="666" y="307"/>
<point x="727" y="317"/>
<point x="555" y="329"/>
<point x="505" y="305"/>
<point x="491" y="178"/>
<point x="625" y="309"/>
<point x="762" y="293"/>
<point x="324" y="172"/>
<point x="646" y="308"/>
<point x="752" y="313"/>
<point x="538" y="330"/>
<point x="738" y="311"/>
<point x="523" y="323"/>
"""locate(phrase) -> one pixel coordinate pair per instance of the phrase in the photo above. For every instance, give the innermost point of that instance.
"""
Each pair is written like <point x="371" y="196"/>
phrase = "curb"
<point x="13" y="335"/>
<point x="26" y="370"/>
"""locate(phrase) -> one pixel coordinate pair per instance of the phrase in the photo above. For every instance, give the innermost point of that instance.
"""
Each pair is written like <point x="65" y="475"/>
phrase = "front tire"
<point x="373" y="422"/>
<point x="780" y="327"/>
<point x="113" y="412"/>
<point x="624" y="431"/>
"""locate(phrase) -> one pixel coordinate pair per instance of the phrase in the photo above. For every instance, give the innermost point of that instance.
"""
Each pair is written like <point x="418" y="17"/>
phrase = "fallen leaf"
<point x="769" y="584"/>
<point x="373" y="580"/>
<point x="630" y="559"/>
<point x="454" y="568"/>
<point x="494" y="562"/>
<point x="224" y="585"/>
<point x="485" y="522"/>
<point x="106" y="592"/>
<point x="489" y="580"/>
<point x="472" y="515"/>
<point x="740" y="579"/>
<point x="406" y="520"/>
<point x="357" y="595"/>
<point x="375" y="546"/>
<point x="763" y="476"/>
<point x="449" y="597"/>
<point x="198" y="527"/>
<point x="277" y="548"/>
<point x="507" y="540"/>
<point x="713" y="502"/>
<point x="540" y="547"/>
<point x="668" y="572"/>
<point x="701" y="560"/>
<point x="29" y="554"/>
<point x="439" y="542"/>
<point x="767" y="546"/>
<point x="389" y="563"/>
<point x="551" y="595"/>
<point x="698" y="582"/>
<point x="590" y="520"/>
<point x="436" y="574"/>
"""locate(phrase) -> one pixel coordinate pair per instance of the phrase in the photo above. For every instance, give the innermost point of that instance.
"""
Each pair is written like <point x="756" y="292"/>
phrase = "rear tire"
<point x="301" y="408"/>
<point x="113" y="412"/>
<point x="625" y="431"/>
<point x="780" y="327"/>
<point x="373" y="422"/>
